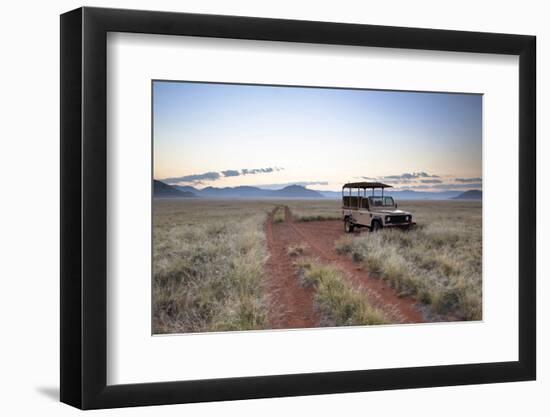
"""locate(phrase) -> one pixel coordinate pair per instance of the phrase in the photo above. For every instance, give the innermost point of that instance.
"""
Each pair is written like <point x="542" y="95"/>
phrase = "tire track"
<point x="290" y="306"/>
<point x="321" y="239"/>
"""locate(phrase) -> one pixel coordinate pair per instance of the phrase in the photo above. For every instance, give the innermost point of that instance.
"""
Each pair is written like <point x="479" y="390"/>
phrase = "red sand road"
<point x="285" y="290"/>
<point x="290" y="305"/>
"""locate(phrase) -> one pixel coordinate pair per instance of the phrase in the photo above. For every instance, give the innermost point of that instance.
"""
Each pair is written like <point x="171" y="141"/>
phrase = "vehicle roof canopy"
<point x="366" y="185"/>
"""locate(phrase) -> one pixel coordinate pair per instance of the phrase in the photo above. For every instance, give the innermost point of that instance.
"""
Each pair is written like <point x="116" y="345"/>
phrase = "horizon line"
<point x="428" y="190"/>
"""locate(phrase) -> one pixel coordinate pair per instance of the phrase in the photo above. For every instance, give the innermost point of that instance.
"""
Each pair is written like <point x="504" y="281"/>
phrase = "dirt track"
<point x="291" y="306"/>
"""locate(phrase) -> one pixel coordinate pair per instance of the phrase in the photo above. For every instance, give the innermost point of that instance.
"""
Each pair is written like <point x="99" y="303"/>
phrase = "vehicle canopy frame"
<point x="364" y="186"/>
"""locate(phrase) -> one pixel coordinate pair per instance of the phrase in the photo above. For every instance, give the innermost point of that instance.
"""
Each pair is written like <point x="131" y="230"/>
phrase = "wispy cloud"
<point x="410" y="176"/>
<point x="231" y="173"/>
<point x="425" y="181"/>
<point x="405" y="177"/>
<point x="194" y="178"/>
<point x="216" y="175"/>
<point x="448" y="186"/>
<point x="466" y="180"/>
<point x="260" y="170"/>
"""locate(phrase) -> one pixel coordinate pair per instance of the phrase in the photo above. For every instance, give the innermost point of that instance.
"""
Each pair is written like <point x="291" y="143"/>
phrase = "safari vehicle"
<point x="371" y="211"/>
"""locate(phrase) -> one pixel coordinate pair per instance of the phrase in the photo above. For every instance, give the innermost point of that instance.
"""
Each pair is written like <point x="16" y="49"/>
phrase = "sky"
<point x="227" y="135"/>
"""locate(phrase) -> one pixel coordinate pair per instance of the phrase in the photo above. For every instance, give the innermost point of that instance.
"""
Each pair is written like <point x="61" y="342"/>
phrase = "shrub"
<point x="344" y="245"/>
<point x="279" y="214"/>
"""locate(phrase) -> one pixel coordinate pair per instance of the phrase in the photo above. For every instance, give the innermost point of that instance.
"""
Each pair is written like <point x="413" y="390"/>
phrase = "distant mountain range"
<point x="163" y="190"/>
<point x="291" y="191"/>
<point x="403" y="194"/>
<point x="414" y="195"/>
<point x="469" y="195"/>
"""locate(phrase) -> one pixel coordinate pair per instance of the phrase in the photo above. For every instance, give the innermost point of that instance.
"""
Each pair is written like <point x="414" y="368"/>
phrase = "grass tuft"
<point x="279" y="214"/>
<point x="339" y="302"/>
<point x="298" y="249"/>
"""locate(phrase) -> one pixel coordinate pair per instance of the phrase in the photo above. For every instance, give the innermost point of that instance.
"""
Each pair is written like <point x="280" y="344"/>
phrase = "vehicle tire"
<point x="376" y="226"/>
<point x="348" y="226"/>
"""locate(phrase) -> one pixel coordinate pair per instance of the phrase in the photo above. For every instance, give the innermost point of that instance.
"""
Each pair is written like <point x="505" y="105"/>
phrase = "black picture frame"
<point x="84" y="207"/>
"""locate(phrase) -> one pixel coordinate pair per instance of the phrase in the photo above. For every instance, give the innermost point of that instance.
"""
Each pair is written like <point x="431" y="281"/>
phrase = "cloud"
<point x="260" y="170"/>
<point x="425" y="181"/>
<point x="425" y="175"/>
<point x="410" y="176"/>
<point x="231" y="173"/>
<point x="394" y="181"/>
<point x="465" y="180"/>
<point x="194" y="178"/>
<point x="405" y="177"/>
<point x="214" y="176"/>
<point x="448" y="186"/>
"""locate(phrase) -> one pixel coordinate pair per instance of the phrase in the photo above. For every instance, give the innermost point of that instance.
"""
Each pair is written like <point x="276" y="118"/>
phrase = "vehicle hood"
<point x="391" y="211"/>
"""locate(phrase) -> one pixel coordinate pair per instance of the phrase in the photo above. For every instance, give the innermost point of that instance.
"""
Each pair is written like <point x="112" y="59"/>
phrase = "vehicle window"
<point x="381" y="201"/>
<point x="350" y="201"/>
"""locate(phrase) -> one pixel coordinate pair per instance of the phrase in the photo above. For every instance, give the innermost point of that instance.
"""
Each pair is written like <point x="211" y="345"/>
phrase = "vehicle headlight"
<point x="408" y="218"/>
<point x="388" y="219"/>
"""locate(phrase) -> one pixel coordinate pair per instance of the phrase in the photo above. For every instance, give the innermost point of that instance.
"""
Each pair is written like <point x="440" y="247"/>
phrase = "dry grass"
<point x="315" y="210"/>
<point x="209" y="256"/>
<point x="295" y="250"/>
<point x="279" y="214"/>
<point x="208" y="260"/>
<point x="439" y="262"/>
<point x="339" y="303"/>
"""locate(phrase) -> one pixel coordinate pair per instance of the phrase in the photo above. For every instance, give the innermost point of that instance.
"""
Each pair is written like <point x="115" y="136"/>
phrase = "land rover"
<point x="366" y="209"/>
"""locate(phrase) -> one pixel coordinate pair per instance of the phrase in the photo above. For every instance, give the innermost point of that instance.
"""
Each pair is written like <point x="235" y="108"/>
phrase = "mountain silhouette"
<point x="162" y="190"/>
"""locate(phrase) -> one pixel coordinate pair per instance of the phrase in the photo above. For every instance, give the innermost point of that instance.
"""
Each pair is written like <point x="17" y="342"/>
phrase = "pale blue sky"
<point x="207" y="134"/>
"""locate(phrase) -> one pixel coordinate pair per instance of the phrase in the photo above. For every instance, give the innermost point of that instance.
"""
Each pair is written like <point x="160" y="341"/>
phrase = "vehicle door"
<point x="363" y="214"/>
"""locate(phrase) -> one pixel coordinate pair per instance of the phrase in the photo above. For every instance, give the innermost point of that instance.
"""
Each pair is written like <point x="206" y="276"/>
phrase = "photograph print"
<point x="291" y="207"/>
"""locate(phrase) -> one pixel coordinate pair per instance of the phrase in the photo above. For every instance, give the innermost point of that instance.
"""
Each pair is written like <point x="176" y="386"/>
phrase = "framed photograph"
<point x="257" y="208"/>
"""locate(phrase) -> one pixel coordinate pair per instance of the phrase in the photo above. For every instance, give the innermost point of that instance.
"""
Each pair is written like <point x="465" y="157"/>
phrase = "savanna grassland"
<point x="315" y="210"/>
<point x="439" y="263"/>
<point x="208" y="259"/>
<point x="222" y="265"/>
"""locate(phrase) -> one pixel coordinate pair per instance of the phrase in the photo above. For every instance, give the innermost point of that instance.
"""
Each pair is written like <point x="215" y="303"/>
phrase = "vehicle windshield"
<point x="381" y="202"/>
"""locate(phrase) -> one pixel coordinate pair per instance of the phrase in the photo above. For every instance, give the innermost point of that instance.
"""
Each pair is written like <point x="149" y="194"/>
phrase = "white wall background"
<point x="29" y="225"/>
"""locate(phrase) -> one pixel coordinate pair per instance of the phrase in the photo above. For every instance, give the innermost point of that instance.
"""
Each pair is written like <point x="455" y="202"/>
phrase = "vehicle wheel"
<point x="348" y="226"/>
<point x="376" y="226"/>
